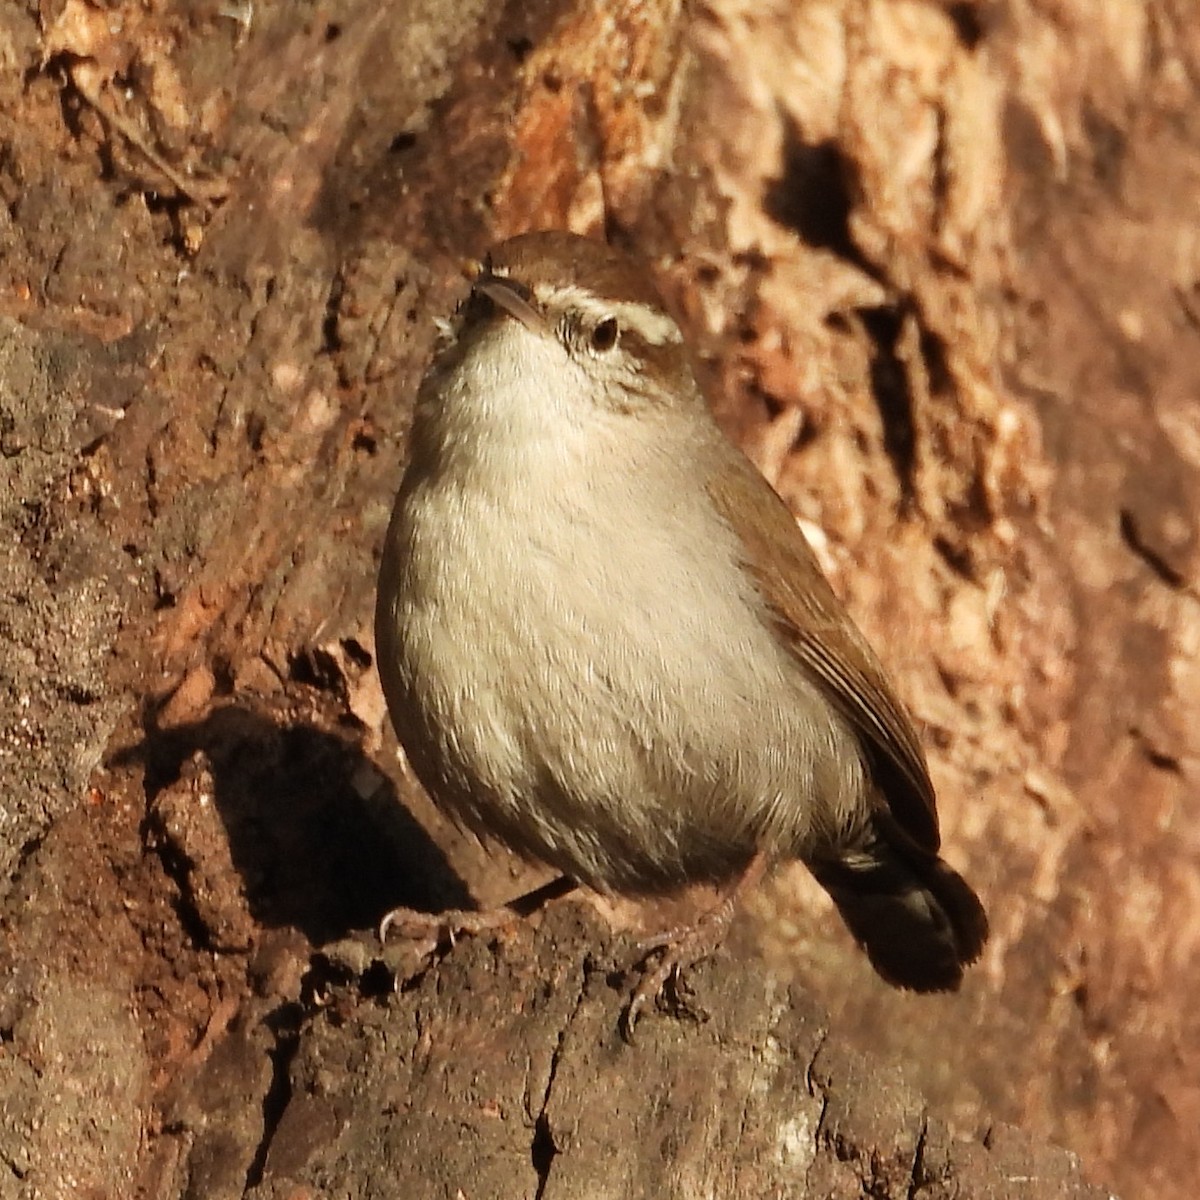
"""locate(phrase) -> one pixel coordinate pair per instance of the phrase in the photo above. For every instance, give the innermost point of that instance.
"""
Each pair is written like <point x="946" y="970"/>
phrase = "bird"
<point x="606" y="644"/>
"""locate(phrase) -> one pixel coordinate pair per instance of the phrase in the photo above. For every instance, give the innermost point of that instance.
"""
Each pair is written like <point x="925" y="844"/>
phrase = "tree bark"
<point x="939" y="264"/>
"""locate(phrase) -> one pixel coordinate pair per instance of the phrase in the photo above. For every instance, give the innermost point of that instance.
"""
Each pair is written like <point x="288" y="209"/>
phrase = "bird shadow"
<point x="317" y="834"/>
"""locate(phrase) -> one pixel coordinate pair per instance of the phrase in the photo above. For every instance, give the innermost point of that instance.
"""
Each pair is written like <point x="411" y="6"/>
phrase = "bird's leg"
<point x="686" y="944"/>
<point x="442" y="929"/>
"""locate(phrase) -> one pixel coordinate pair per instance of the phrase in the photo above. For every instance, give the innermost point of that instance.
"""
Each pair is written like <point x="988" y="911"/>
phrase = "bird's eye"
<point x="604" y="336"/>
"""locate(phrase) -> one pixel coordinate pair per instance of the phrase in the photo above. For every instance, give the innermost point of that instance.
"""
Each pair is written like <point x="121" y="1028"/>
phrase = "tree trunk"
<point x="939" y="263"/>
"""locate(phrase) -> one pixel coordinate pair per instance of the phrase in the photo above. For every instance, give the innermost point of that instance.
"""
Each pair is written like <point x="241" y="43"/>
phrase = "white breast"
<point x="570" y="619"/>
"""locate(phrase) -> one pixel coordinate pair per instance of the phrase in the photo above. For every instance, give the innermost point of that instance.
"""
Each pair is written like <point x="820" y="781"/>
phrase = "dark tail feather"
<point x="917" y="919"/>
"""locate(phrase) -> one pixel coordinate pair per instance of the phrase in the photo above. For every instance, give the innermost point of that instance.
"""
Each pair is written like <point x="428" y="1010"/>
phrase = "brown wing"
<point x="827" y="643"/>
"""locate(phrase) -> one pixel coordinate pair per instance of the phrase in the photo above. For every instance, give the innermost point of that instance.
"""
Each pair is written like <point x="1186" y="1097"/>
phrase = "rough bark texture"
<point x="941" y="263"/>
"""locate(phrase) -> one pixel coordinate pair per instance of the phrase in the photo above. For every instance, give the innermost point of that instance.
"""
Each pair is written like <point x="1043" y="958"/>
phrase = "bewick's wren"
<point x="605" y="643"/>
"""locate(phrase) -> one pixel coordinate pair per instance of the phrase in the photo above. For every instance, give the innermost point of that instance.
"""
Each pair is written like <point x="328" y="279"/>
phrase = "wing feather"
<point x="827" y="644"/>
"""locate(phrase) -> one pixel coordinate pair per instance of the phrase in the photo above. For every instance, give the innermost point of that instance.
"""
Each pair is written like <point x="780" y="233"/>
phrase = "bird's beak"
<point x="512" y="297"/>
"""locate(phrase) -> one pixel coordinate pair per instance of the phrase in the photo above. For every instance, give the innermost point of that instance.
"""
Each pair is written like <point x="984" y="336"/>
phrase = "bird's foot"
<point x="429" y="932"/>
<point x="663" y="961"/>
<point x="433" y="931"/>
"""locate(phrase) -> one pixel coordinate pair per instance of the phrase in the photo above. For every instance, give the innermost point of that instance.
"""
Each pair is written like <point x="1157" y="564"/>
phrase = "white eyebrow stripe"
<point x="650" y="324"/>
